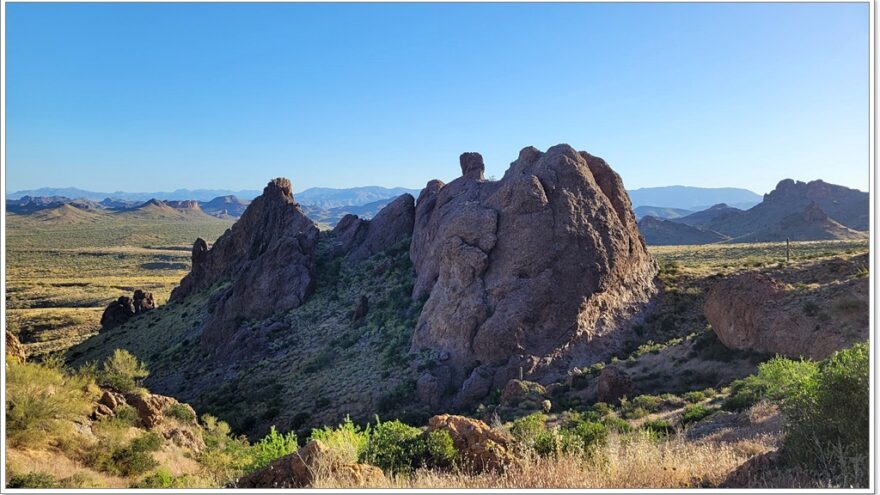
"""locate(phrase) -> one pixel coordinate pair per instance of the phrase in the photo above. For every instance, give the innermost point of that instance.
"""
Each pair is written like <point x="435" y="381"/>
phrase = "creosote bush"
<point x="122" y="371"/>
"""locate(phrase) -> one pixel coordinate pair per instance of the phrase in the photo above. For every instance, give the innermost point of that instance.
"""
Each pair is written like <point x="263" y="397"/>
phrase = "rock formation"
<point x="483" y="448"/>
<point x="755" y="311"/>
<point x="614" y="384"/>
<point x="268" y="256"/>
<point x="358" y="239"/>
<point x="122" y="309"/>
<point x="544" y="267"/>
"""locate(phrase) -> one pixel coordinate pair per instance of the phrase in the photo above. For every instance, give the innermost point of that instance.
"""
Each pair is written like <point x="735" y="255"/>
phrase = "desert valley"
<point x="542" y="329"/>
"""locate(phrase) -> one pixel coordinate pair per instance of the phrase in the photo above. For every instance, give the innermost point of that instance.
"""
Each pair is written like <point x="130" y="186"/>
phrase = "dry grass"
<point x="628" y="461"/>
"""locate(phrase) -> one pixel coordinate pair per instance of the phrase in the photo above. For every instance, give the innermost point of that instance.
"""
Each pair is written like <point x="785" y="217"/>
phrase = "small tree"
<point x="123" y="372"/>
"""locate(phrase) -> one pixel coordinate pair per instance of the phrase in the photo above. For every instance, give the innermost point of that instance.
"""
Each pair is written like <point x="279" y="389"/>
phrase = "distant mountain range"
<point x="693" y="198"/>
<point x="794" y="210"/>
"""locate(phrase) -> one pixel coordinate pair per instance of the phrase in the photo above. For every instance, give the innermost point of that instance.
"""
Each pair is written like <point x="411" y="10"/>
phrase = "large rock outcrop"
<point x="769" y="313"/>
<point x="543" y="267"/>
<point x="358" y="239"/>
<point x="482" y="448"/>
<point x="268" y="256"/>
<point x="14" y="349"/>
<point x="123" y="308"/>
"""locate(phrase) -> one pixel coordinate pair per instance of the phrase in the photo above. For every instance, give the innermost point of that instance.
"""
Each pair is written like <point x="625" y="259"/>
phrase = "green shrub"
<point x="162" y="478"/>
<point x="132" y="460"/>
<point x="393" y="446"/>
<point x="613" y="423"/>
<point x="347" y="441"/>
<point x="440" y="452"/>
<point x="694" y="397"/>
<point x="122" y="371"/>
<point x="526" y="430"/>
<point x="602" y="408"/>
<point x="42" y="403"/>
<point x="181" y="413"/>
<point x="271" y="447"/>
<point x="695" y="413"/>
<point x="33" y="480"/>
<point x="225" y="457"/>
<point x="658" y="427"/>
<point x="827" y="416"/>
<point x="776" y="379"/>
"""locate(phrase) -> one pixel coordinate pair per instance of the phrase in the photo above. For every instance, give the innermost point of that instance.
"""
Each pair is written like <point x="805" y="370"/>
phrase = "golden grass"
<point x="628" y="461"/>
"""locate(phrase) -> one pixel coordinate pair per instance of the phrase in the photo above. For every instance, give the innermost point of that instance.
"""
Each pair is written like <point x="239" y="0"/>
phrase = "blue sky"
<point x="146" y="97"/>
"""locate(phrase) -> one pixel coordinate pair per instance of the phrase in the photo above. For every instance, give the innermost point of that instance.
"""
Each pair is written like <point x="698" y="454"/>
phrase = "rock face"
<point x="482" y="447"/>
<point x="14" y="349"/>
<point x="300" y="469"/>
<point x="269" y="255"/>
<point x="614" y="384"/>
<point x="358" y="239"/>
<point x="658" y="232"/>
<point x="542" y="267"/>
<point x="755" y="311"/>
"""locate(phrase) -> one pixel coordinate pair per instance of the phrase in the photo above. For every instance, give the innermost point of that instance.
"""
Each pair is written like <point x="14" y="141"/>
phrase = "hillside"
<point x="809" y="225"/>
<point x="704" y="218"/>
<point x="660" y="232"/>
<point x="327" y="197"/>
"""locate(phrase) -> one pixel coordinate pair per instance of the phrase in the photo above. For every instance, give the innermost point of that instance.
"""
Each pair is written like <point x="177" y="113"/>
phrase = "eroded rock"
<point x="14" y="349"/>
<point x="614" y="384"/>
<point x="541" y="268"/>
<point x="481" y="447"/>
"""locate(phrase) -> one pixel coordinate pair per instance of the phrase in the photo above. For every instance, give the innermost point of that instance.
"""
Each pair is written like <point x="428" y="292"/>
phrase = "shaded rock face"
<point x="143" y="301"/>
<point x="541" y="268"/>
<point x="269" y="257"/>
<point x="358" y="239"/>
<point x="757" y="312"/>
<point x="614" y="384"/>
<point x="14" y="349"/>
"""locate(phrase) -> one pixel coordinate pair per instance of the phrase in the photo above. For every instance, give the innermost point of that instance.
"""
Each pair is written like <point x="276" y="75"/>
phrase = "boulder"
<point x="614" y="384"/>
<point x="300" y="470"/>
<point x="150" y="407"/>
<point x="540" y="269"/>
<point x="756" y="312"/>
<point x="142" y="301"/>
<point x="269" y="256"/>
<point x="481" y="447"/>
<point x="117" y="312"/>
<point x="519" y="391"/>
<point x="14" y="349"/>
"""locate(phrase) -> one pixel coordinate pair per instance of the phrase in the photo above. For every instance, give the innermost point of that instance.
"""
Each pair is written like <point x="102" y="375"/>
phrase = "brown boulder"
<point x="753" y="311"/>
<point x="613" y="385"/>
<point x="150" y="407"/>
<point x="117" y="313"/>
<point x="269" y="254"/>
<point x="540" y="269"/>
<point x="519" y="391"/>
<point x="142" y="301"/>
<point x="302" y="468"/>
<point x="14" y="349"/>
<point x="481" y="447"/>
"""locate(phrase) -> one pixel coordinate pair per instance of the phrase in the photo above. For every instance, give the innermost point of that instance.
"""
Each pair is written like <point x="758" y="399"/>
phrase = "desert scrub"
<point x="225" y="457"/>
<point x="526" y="430"/>
<point x="133" y="459"/>
<point x="346" y="442"/>
<point x="181" y="413"/>
<point x="122" y="371"/>
<point x="42" y="403"/>
<point x="273" y="446"/>
<point x="694" y="413"/>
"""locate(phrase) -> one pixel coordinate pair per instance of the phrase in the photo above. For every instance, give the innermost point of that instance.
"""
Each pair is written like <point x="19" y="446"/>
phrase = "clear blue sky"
<point x="147" y="97"/>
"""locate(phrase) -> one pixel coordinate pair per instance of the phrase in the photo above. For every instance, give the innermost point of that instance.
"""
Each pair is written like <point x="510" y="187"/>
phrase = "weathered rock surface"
<point x="758" y="312"/>
<point x="518" y="391"/>
<point x="614" y="384"/>
<point x="117" y="313"/>
<point x="300" y="469"/>
<point x="151" y="407"/>
<point x="269" y="256"/>
<point x="358" y="239"/>
<point x="541" y="268"/>
<point x="481" y="447"/>
<point x="14" y="349"/>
